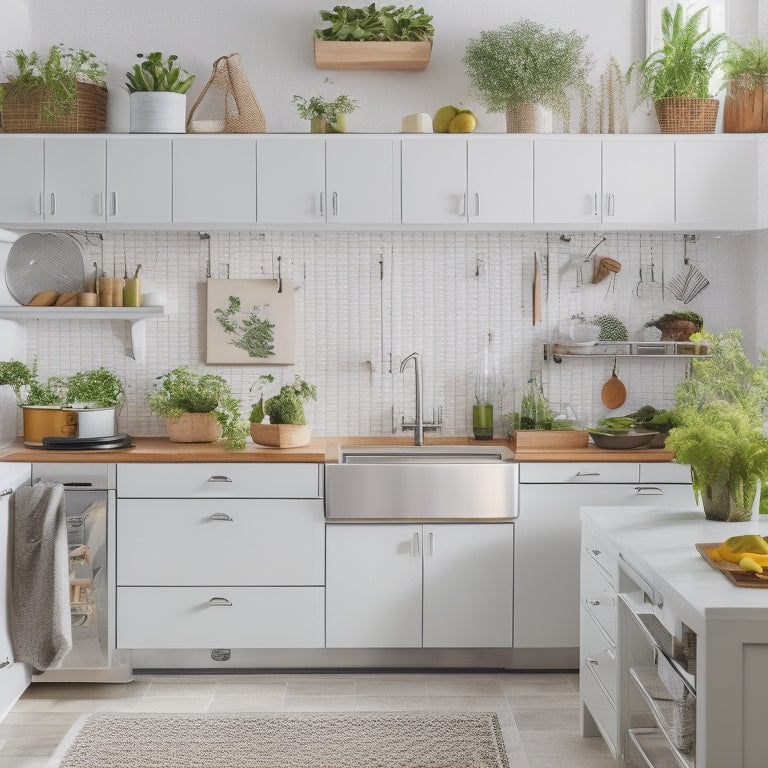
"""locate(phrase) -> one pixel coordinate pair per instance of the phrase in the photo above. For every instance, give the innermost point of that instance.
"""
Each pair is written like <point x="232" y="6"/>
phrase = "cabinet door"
<point x="468" y="573"/>
<point x="567" y="182"/>
<point x="21" y="159"/>
<point x="434" y="181"/>
<point x="290" y="180"/>
<point x="716" y="183"/>
<point x="500" y="181"/>
<point x="75" y="180"/>
<point x="638" y="182"/>
<point x="360" y="181"/>
<point x="373" y="586"/>
<point x="139" y="180"/>
<point x="214" y="180"/>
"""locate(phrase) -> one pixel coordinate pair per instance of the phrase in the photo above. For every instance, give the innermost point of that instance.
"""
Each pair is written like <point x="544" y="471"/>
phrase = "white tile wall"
<point x="365" y="300"/>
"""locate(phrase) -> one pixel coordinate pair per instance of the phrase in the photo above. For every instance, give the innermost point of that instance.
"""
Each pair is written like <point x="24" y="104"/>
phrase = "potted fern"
<point x="325" y="115"/>
<point x="280" y="421"/>
<point x="527" y="71"/>
<point x="158" y="88"/>
<point x="745" y="68"/>
<point x="677" y="77"/>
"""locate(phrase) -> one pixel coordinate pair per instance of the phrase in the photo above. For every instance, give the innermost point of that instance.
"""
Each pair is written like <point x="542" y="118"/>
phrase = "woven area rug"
<point x="284" y="740"/>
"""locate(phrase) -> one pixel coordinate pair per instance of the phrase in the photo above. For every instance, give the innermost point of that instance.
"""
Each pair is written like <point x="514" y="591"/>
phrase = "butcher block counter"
<point x="319" y="450"/>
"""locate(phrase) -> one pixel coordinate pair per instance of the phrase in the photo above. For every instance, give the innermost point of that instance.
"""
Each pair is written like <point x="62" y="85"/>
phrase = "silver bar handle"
<point x="219" y="479"/>
<point x="595" y="204"/>
<point x="6" y="492"/>
<point x="222" y="516"/>
<point x="416" y="545"/>
<point x="53" y="203"/>
<point x="222" y="601"/>
<point x="611" y="204"/>
<point x="37" y="204"/>
<point x="432" y="543"/>
<point x="592" y="660"/>
<point x="335" y="203"/>
<point x="648" y="490"/>
<point x="593" y="602"/>
<point x="477" y="204"/>
<point x="114" y="203"/>
<point x="5" y="663"/>
<point x="321" y="209"/>
<point x="587" y="474"/>
<point x="100" y="203"/>
<point x="463" y="204"/>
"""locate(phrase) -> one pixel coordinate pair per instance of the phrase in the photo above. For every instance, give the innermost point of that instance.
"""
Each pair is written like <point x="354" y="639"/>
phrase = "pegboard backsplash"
<point x="366" y="300"/>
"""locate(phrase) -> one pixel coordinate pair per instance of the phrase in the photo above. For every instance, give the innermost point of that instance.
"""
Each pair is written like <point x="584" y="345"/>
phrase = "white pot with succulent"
<point x="158" y="91"/>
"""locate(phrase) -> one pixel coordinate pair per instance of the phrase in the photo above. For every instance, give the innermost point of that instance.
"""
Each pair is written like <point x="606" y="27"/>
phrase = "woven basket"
<point x="23" y="111"/>
<point x="527" y="117"/>
<point x="193" y="428"/>
<point x="687" y="115"/>
<point x="281" y="435"/>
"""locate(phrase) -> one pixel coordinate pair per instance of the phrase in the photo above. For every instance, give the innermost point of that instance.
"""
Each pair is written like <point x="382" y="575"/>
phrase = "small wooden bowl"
<point x="281" y="435"/>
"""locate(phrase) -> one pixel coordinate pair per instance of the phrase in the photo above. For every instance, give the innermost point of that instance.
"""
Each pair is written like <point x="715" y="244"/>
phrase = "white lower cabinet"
<point x="419" y="585"/>
<point x="223" y="556"/>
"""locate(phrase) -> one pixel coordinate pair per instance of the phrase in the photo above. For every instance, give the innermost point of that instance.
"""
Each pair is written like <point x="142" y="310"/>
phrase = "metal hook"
<point x="206" y="236"/>
<point x="279" y="276"/>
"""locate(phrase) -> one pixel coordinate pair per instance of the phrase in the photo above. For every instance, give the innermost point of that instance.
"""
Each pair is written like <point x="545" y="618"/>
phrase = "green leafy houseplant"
<point x="718" y="416"/>
<point x="29" y="390"/>
<point x="326" y="115"/>
<point x="56" y="75"/>
<point x="287" y="406"/>
<point x="525" y="63"/>
<point x="156" y="74"/>
<point x="745" y="69"/>
<point x="182" y="391"/>
<point x="99" y="388"/>
<point x="371" y="24"/>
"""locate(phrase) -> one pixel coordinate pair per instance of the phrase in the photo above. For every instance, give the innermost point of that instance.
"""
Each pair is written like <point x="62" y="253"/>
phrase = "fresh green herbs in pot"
<point x="99" y="388"/>
<point x="372" y="24"/>
<point x="318" y="108"/>
<point x="28" y="388"/>
<point x="747" y="64"/>
<point x="287" y="406"/>
<point x="182" y="390"/>
<point x="156" y="74"/>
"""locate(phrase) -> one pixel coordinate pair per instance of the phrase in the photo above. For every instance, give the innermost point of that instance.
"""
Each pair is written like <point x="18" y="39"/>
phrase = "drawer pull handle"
<point x="6" y="492"/>
<point x="219" y="479"/>
<point x="648" y="490"/>
<point x="592" y="660"/>
<point x="5" y="663"/>
<point x="222" y="516"/>
<point x="593" y="602"/>
<point x="587" y="474"/>
<point x="220" y="601"/>
<point x="596" y="552"/>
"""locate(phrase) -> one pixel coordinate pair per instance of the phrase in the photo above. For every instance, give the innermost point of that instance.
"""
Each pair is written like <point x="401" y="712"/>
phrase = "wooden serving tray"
<point x="731" y="571"/>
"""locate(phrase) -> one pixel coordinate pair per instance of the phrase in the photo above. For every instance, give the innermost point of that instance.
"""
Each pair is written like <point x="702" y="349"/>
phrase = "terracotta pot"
<point x="46" y="421"/>
<point x="193" y="428"/>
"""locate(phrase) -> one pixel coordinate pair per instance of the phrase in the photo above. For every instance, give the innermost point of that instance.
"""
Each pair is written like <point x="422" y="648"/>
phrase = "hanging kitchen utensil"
<point x="536" y="290"/>
<point x="614" y="393"/>
<point x="603" y="267"/>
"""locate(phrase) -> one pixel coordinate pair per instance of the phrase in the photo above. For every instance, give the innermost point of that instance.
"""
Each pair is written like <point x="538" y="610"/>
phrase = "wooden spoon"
<point x="614" y="393"/>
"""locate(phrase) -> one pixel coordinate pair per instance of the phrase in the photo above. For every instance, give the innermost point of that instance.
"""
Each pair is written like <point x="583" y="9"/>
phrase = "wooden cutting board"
<point x="730" y="570"/>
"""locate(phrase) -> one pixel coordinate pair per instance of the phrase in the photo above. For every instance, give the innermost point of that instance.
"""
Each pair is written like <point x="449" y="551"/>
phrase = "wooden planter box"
<point x="556" y="438"/>
<point x="745" y="109"/>
<point x="396" y="54"/>
<point x="24" y="111"/>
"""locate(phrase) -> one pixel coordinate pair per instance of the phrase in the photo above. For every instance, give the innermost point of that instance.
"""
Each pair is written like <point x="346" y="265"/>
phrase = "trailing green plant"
<point x="29" y="390"/>
<point x="287" y="406"/>
<point x="718" y="416"/>
<point x="319" y="107"/>
<point x="182" y="390"/>
<point x="369" y="23"/>
<point x="686" y="62"/>
<point x="526" y="62"/>
<point x="158" y="74"/>
<point x="57" y="73"/>
<point x="99" y="388"/>
<point x="748" y="64"/>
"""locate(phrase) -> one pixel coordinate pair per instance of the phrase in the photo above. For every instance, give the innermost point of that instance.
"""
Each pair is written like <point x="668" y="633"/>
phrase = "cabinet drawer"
<point x="249" y="542"/>
<point x="665" y="472"/>
<point x="579" y="472"/>
<point x="598" y="654"/>
<point x="598" y="596"/>
<point x="600" y="706"/>
<point x="219" y="481"/>
<point x="223" y="617"/>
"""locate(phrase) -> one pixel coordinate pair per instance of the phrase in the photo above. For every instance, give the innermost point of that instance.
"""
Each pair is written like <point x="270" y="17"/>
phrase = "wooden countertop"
<point x="320" y="450"/>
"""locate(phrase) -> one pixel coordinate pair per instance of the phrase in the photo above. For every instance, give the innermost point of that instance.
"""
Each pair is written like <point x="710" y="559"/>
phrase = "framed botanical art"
<point x="250" y="322"/>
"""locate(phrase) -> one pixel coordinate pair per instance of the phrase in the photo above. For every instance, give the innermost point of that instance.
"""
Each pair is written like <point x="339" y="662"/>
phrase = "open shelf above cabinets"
<point x="669" y="350"/>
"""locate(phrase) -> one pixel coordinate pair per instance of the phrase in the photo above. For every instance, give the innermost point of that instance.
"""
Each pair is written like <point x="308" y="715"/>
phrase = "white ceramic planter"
<point x="158" y="112"/>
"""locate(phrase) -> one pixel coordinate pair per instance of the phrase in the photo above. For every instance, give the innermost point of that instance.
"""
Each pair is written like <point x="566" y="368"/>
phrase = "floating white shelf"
<point x="136" y="316"/>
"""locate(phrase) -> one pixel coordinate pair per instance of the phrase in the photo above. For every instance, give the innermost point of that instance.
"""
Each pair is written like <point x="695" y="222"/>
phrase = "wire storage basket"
<point x="28" y="110"/>
<point x="678" y="115"/>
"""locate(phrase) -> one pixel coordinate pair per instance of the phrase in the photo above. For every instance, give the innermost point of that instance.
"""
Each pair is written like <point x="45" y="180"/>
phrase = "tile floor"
<point x="539" y="712"/>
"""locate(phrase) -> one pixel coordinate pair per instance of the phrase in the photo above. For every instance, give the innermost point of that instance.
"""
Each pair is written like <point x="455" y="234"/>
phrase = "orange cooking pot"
<point x="47" y="421"/>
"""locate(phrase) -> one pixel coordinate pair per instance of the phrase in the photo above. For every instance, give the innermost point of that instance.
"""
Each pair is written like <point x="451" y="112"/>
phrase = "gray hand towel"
<point x="41" y="626"/>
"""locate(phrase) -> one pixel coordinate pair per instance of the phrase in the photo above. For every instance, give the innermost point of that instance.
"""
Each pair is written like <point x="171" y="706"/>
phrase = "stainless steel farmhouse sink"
<point x="382" y="483"/>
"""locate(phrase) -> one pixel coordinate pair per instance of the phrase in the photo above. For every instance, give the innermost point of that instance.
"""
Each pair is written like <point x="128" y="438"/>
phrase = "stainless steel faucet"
<point x="419" y="425"/>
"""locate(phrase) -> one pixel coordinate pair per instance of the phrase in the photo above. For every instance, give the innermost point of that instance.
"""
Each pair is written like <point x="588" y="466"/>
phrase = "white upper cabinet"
<point x="567" y="186"/>
<point x="717" y="183"/>
<point x="139" y="179"/>
<point x="75" y="172"/>
<point x="214" y="180"/>
<point x="21" y="191"/>
<point x="638" y="182"/>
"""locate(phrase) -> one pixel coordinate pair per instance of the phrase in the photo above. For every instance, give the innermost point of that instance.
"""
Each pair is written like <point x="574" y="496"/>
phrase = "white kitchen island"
<point x="648" y="556"/>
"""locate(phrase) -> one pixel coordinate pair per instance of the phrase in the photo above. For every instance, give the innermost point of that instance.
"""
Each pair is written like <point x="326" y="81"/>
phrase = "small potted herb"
<point x="158" y="88"/>
<point x="325" y="115"/>
<point x="527" y="71"/>
<point x="96" y="398"/>
<point x="198" y="408"/>
<point x="280" y="420"/>
<point x="62" y="91"/>
<point x="745" y="68"/>
<point x="389" y="37"/>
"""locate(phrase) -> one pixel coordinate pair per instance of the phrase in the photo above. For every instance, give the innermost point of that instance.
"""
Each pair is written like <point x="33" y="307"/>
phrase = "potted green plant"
<point x="94" y="400"/>
<point x="677" y="77"/>
<point x="58" y="92"/>
<point x="158" y="88"/>
<point x="745" y="69"/>
<point x="325" y="115"/>
<point x="390" y="37"/>
<point x="718" y="416"/>
<point x="287" y="422"/>
<point x="198" y="408"/>
<point x="527" y="70"/>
